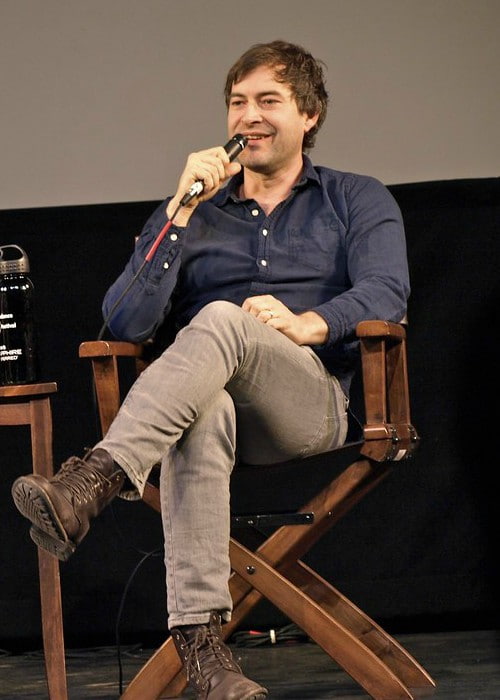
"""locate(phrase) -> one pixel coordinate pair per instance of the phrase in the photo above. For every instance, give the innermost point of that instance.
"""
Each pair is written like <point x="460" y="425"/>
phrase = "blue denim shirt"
<point x="336" y="245"/>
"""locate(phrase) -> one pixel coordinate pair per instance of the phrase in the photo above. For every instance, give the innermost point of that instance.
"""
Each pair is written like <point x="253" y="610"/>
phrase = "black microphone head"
<point x="235" y="145"/>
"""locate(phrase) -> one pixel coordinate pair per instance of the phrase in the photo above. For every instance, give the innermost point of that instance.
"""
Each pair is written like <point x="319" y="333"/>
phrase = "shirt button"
<point x="255" y="212"/>
<point x="265" y="231"/>
<point x="263" y="263"/>
<point x="165" y="265"/>
<point x="173" y="236"/>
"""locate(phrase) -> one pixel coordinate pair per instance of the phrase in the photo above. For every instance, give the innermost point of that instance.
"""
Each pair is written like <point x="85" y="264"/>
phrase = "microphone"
<point x="233" y="148"/>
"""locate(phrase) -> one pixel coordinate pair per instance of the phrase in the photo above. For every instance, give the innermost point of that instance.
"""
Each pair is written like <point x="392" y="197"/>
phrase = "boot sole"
<point x="58" y="549"/>
<point x="36" y="506"/>
<point x="260" y="695"/>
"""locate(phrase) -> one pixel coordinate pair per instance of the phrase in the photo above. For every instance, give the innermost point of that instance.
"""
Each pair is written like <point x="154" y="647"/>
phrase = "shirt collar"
<point x="230" y="191"/>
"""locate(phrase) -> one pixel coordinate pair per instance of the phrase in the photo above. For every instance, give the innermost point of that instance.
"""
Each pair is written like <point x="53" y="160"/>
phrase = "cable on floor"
<point x="289" y="634"/>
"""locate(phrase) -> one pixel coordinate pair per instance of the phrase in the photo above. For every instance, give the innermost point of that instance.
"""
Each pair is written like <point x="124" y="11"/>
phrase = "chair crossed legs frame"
<point x="274" y="570"/>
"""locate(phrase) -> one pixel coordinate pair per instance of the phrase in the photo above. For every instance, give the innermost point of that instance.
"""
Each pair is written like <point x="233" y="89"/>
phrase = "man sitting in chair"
<point x="267" y="267"/>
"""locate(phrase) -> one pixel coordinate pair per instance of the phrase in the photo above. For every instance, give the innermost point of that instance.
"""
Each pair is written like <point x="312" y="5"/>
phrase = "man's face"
<point x="265" y="111"/>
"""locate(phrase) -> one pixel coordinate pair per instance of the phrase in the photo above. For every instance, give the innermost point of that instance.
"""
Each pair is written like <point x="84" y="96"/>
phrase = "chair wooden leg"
<point x="48" y="566"/>
<point x="52" y="630"/>
<point x="358" y="624"/>
<point x="161" y="676"/>
<point x="372" y="659"/>
<point x="349" y="652"/>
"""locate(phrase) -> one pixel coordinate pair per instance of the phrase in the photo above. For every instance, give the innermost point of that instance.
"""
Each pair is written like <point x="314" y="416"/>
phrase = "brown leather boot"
<point x="61" y="508"/>
<point x="209" y="664"/>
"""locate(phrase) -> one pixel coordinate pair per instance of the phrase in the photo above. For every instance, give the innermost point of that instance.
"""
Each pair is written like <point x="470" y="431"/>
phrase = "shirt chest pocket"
<point x="319" y="247"/>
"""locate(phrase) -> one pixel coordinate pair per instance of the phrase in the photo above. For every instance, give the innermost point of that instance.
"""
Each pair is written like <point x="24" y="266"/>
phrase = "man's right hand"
<point x="213" y="168"/>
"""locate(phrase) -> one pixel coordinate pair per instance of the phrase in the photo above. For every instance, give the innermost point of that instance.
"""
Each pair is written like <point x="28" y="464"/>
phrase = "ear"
<point x="310" y="122"/>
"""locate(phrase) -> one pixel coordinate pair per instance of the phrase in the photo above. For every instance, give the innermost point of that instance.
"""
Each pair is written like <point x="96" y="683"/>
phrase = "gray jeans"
<point x="228" y="384"/>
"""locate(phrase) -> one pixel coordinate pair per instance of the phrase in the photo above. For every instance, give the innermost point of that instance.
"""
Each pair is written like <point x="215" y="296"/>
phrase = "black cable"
<point x="146" y="556"/>
<point x="156" y="551"/>
<point x="289" y="634"/>
<point x="120" y="299"/>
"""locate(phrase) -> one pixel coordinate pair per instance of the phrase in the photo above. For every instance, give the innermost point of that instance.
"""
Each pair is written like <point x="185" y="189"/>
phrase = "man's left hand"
<point x="307" y="328"/>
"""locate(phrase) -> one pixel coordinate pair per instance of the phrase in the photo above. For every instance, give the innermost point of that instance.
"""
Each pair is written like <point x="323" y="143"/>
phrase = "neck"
<point x="269" y="189"/>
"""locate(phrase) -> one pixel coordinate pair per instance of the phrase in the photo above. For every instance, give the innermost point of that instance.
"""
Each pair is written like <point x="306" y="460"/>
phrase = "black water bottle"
<point x="17" y="329"/>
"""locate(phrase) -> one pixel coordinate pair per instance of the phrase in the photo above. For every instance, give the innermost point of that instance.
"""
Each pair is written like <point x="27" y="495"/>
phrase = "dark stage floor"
<point x="465" y="666"/>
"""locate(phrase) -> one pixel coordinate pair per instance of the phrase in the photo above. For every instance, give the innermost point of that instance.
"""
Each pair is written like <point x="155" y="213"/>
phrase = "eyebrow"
<point x="260" y="95"/>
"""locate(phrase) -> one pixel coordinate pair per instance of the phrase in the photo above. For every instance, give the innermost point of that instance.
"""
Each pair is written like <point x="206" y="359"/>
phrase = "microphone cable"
<point x="149" y="256"/>
<point x="145" y="557"/>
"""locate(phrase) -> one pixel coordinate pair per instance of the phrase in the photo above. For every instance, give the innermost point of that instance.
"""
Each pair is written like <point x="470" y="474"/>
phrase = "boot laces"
<point x="81" y="479"/>
<point x="207" y="654"/>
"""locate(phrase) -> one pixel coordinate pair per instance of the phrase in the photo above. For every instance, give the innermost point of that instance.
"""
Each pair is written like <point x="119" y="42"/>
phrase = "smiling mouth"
<point x="256" y="137"/>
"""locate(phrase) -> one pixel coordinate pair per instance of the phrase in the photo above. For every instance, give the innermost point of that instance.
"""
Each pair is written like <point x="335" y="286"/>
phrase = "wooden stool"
<point x="29" y="404"/>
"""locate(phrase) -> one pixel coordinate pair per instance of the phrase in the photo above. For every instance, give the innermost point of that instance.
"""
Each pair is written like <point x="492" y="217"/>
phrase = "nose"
<point x="252" y="113"/>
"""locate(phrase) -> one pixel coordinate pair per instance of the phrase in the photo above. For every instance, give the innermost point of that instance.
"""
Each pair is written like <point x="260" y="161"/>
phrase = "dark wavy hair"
<point x="295" y="67"/>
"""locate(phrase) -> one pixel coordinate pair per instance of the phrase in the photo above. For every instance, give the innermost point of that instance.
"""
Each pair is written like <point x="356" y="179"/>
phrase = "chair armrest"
<point x="109" y="348"/>
<point x="382" y="329"/>
<point x="104" y="356"/>
<point x="386" y="390"/>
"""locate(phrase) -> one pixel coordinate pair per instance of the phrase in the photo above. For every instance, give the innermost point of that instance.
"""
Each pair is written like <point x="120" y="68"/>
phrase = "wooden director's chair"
<point x="274" y="570"/>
